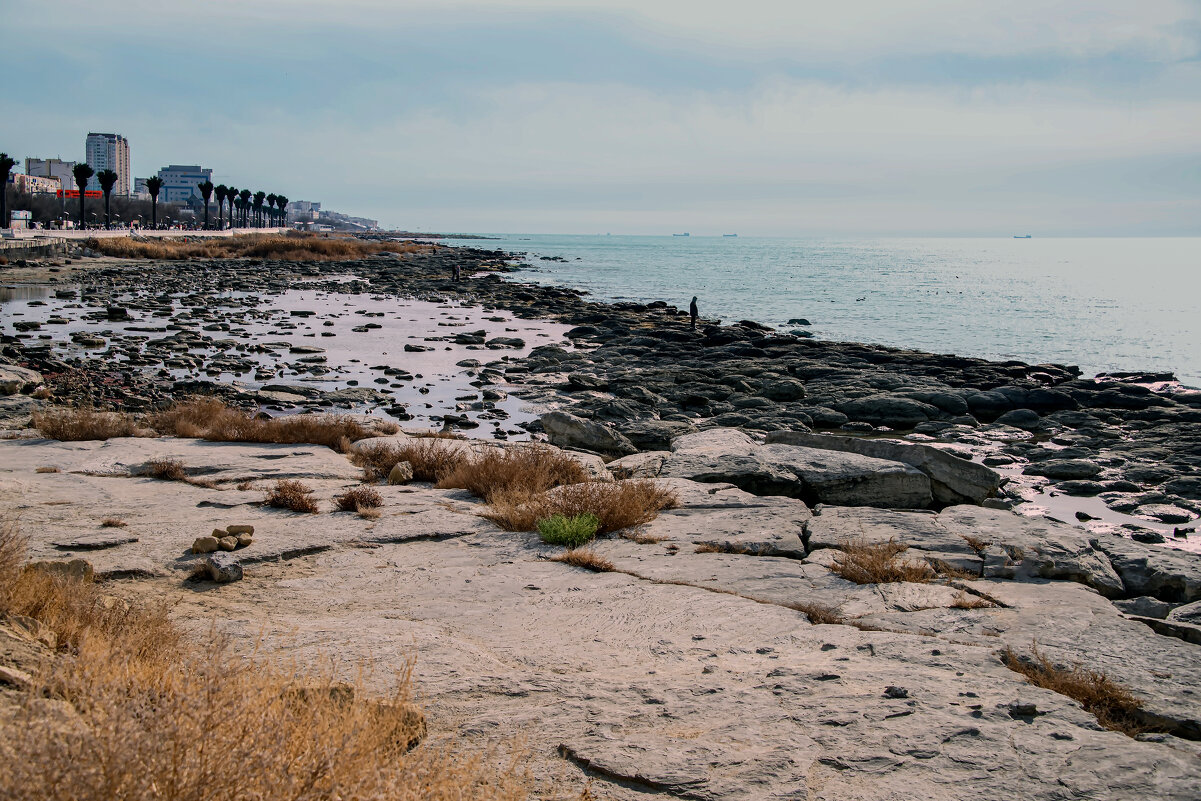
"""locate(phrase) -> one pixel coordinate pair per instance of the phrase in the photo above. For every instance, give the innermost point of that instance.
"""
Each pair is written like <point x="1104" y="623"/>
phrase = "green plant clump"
<point x="571" y="532"/>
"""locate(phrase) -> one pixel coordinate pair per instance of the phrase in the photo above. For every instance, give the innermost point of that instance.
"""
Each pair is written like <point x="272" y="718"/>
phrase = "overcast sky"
<point x="909" y="117"/>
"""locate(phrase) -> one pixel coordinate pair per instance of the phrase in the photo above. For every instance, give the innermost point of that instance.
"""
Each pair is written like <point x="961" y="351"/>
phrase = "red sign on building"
<point x="75" y="193"/>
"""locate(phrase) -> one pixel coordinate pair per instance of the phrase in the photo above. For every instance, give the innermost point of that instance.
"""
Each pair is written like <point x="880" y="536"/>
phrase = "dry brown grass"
<point x="430" y="457"/>
<point x="642" y="538"/>
<point x="72" y="425"/>
<point x="1114" y="706"/>
<point x="166" y="470"/>
<point x="113" y="522"/>
<point x="284" y="247"/>
<point x="618" y="504"/>
<point x="965" y="600"/>
<point x="504" y="473"/>
<point x="585" y="558"/>
<point x="977" y="544"/>
<point x="708" y="547"/>
<point x="49" y="469"/>
<point x="878" y="563"/>
<point x="819" y="614"/>
<point x="358" y="499"/>
<point x="291" y="494"/>
<point x="212" y="420"/>
<point x="143" y="714"/>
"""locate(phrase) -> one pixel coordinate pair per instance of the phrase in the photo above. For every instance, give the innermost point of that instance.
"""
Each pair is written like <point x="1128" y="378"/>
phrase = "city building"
<point x="34" y="184"/>
<point x="303" y="211"/>
<point x="106" y="151"/>
<point x="52" y="168"/>
<point x="181" y="182"/>
<point x="140" y="192"/>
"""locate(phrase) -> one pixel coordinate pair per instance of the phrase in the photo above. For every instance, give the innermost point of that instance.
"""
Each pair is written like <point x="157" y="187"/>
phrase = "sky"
<point x="859" y="117"/>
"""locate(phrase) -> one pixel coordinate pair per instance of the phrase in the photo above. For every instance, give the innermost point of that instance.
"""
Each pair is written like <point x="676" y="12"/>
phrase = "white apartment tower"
<point x="106" y="151"/>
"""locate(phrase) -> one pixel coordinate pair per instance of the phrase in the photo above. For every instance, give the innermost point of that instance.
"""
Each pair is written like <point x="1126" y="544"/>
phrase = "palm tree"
<point x="259" y="197"/>
<point x="283" y="209"/>
<point x="83" y="173"/>
<point x="7" y="163"/>
<point x="244" y="195"/>
<point x="108" y="179"/>
<point x="220" y="191"/>
<point x="206" y="189"/>
<point x="271" y="208"/>
<point x="153" y="185"/>
<point x="231" y="192"/>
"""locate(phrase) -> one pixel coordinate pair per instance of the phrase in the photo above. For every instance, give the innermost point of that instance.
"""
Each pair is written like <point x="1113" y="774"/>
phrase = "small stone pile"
<point x="229" y="538"/>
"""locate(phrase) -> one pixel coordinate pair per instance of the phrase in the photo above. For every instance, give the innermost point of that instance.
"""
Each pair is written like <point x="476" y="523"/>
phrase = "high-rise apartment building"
<point x="107" y="151"/>
<point x="52" y="168"/>
<point x="181" y="182"/>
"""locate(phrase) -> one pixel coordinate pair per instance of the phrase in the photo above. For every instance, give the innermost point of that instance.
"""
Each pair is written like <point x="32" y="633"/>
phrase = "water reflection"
<point x="23" y="292"/>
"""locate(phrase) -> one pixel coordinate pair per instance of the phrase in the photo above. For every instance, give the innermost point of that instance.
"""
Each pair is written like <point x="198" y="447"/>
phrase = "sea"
<point x="1102" y="304"/>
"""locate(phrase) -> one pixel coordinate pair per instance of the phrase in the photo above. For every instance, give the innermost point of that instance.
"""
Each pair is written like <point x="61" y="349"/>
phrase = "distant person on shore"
<point x="692" y="312"/>
<point x="458" y="273"/>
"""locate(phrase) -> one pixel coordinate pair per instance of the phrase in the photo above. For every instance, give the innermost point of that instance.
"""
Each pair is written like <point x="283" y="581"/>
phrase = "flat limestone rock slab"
<point x="813" y="475"/>
<point x="219" y="461"/>
<point x="952" y="480"/>
<point x="1019" y="546"/>
<point x="646" y="685"/>
<point x="1072" y="624"/>
<point x="732" y="520"/>
<point x="925" y="535"/>
<point x="1165" y="573"/>
<point x="95" y="542"/>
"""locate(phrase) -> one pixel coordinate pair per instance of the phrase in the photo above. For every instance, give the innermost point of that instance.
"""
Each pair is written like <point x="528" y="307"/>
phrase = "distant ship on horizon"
<point x="1022" y="236"/>
<point x="683" y="234"/>
<point x="729" y="236"/>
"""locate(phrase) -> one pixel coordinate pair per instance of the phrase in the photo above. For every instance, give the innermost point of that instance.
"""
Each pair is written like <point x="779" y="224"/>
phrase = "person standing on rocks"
<point x="458" y="273"/>
<point x="692" y="312"/>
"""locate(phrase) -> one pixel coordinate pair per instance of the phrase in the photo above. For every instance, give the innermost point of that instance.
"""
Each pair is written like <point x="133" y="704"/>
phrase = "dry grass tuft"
<point x="1114" y="706"/>
<point x="965" y="600"/>
<point x="146" y="715"/>
<point x="977" y="544"/>
<point x="430" y="457"/>
<point x="529" y="469"/>
<point x="212" y="420"/>
<point x="358" y="499"/>
<point x="642" y="538"/>
<point x="284" y="247"/>
<point x="291" y="494"/>
<point x="47" y="470"/>
<point x="819" y="614"/>
<point x="708" y="547"/>
<point x="113" y="522"/>
<point x="877" y="563"/>
<point x="585" y="558"/>
<point x="618" y="504"/>
<point x="73" y="425"/>
<point x="166" y="470"/>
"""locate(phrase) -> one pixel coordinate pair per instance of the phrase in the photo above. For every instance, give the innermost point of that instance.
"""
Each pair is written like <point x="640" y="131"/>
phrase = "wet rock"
<point x="1024" y="419"/>
<point x="1064" y="469"/>
<point x="891" y="411"/>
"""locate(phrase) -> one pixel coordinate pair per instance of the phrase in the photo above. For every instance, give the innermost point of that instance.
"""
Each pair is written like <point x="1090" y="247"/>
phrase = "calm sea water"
<point x="1102" y="304"/>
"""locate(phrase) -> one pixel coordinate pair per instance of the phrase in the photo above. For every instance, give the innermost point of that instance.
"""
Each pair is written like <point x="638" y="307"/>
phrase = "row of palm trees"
<point x="253" y="209"/>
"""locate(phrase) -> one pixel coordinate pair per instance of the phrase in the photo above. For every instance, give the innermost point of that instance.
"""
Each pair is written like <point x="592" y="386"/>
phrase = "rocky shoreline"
<point x="722" y="654"/>
<point x="1118" y="452"/>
